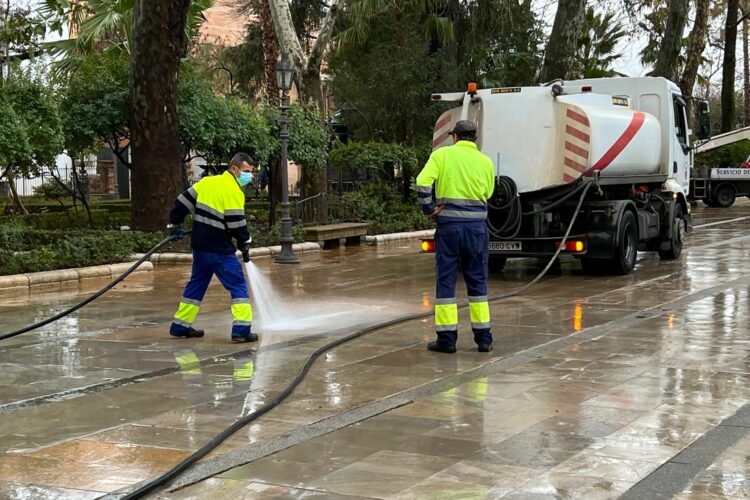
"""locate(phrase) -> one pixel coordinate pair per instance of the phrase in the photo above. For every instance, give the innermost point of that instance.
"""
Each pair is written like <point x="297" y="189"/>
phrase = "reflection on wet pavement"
<point x="96" y="404"/>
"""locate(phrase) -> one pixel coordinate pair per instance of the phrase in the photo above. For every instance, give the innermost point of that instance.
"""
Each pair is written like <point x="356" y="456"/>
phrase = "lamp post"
<point x="284" y="76"/>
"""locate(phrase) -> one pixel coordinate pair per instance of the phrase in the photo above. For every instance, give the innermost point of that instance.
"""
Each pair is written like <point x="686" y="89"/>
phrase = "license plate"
<point x="505" y="246"/>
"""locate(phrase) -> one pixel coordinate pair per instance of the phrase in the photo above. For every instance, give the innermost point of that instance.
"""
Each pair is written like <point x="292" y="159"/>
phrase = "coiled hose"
<point x="506" y="188"/>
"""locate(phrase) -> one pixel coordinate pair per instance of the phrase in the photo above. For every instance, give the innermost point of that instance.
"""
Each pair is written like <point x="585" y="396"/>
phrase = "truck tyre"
<point x="724" y="196"/>
<point x="677" y="236"/>
<point x="623" y="262"/>
<point x="626" y="251"/>
<point x="497" y="263"/>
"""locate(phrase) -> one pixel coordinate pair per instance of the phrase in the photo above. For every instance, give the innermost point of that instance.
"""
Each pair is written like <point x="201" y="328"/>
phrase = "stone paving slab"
<point x="687" y="361"/>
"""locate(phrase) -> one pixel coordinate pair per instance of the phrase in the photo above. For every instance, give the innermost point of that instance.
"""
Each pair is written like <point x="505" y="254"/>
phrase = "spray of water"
<point x="273" y="312"/>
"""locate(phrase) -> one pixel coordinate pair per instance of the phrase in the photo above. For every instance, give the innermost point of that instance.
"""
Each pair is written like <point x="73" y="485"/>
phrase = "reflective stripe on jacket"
<point x="464" y="179"/>
<point x="218" y="205"/>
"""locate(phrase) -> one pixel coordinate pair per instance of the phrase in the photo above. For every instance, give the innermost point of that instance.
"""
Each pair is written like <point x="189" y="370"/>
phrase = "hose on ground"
<point x="262" y="410"/>
<point x="95" y="296"/>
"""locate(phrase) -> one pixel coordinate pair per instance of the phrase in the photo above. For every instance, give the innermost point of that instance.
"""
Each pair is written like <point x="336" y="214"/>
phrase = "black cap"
<point x="464" y="127"/>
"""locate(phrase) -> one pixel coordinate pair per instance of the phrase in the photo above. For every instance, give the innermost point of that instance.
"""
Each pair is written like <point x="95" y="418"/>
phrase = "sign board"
<point x="730" y="173"/>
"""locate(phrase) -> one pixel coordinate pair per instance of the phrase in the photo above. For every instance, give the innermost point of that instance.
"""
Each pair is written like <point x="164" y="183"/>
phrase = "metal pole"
<point x="287" y="253"/>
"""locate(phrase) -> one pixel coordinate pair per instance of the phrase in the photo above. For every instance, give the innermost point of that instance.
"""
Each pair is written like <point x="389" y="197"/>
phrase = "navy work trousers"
<point x="464" y="244"/>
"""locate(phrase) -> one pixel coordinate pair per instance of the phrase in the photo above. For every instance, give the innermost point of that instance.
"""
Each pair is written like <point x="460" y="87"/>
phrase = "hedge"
<point x="23" y="250"/>
<point x="104" y="219"/>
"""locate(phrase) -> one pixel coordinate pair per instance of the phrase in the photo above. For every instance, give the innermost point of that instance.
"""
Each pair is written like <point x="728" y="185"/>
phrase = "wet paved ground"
<point x="595" y="383"/>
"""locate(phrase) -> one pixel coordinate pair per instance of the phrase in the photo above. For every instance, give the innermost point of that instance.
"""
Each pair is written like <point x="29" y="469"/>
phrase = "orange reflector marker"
<point x="586" y="88"/>
<point x="428" y="246"/>
<point x="472" y="88"/>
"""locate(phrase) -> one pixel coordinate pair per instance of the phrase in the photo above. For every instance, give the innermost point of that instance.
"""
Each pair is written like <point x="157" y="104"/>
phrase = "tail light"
<point x="428" y="246"/>
<point x="575" y="246"/>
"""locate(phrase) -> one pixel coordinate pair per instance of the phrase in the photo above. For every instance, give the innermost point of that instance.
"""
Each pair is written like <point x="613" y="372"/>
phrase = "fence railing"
<point x="325" y="208"/>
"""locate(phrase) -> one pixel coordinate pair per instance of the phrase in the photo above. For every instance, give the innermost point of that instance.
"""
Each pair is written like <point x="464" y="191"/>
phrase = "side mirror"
<point x="704" y="121"/>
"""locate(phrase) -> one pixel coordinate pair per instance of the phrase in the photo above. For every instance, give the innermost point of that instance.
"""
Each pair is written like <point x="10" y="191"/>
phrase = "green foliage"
<point x="69" y="219"/>
<point x="373" y="156"/>
<point x="95" y="104"/>
<point x="103" y="27"/>
<point x="381" y="206"/>
<point x="216" y="127"/>
<point x="14" y="142"/>
<point x="499" y="43"/>
<point x="308" y="136"/>
<point x="23" y="250"/>
<point x="38" y="114"/>
<point x="20" y="30"/>
<point x="244" y="62"/>
<point x="390" y="85"/>
<point x="52" y="190"/>
<point x="729" y="156"/>
<point x="597" y="44"/>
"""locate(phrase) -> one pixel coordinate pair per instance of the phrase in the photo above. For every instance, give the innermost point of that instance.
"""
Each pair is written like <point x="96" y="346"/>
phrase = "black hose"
<point x="216" y="441"/>
<point x="92" y="297"/>
<point x="557" y="202"/>
<point x="512" y="208"/>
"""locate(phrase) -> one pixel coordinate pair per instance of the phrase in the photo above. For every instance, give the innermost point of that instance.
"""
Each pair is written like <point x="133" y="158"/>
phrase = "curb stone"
<point x="380" y="239"/>
<point x="175" y="258"/>
<point x="65" y="275"/>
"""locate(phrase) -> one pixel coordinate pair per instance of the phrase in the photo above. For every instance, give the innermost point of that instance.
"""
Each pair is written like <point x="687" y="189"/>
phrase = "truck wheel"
<point x="724" y="196"/>
<point x="676" y="238"/>
<point x="497" y="263"/>
<point x="623" y="262"/>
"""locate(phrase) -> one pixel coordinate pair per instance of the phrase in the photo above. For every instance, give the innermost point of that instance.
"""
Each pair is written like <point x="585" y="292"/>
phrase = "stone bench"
<point x="330" y="235"/>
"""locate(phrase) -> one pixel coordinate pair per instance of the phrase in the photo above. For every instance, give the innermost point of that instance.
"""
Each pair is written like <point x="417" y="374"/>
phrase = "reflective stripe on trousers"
<point x="464" y="243"/>
<point x="229" y="271"/>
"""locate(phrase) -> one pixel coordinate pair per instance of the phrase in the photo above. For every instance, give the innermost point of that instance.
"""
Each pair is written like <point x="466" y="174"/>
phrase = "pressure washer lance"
<point x="95" y="296"/>
<point x="165" y="478"/>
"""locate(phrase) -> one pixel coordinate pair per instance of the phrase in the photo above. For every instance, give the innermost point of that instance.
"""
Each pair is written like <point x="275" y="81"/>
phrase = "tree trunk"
<point x="309" y="84"/>
<point x="17" y="203"/>
<point x="696" y="44"/>
<point x="728" y="113"/>
<point x="270" y="51"/>
<point x="745" y="73"/>
<point x="559" y="57"/>
<point x="157" y="44"/>
<point x="669" y="51"/>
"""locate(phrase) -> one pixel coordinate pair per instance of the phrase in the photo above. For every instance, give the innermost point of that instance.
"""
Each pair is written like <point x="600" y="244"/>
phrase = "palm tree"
<point x="598" y="43"/>
<point x="102" y="26"/>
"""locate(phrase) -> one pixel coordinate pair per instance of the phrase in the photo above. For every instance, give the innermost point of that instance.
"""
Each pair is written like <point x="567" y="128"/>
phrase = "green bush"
<point x="103" y="219"/>
<point x="23" y="250"/>
<point x="373" y="156"/>
<point x="263" y="237"/>
<point x="381" y="206"/>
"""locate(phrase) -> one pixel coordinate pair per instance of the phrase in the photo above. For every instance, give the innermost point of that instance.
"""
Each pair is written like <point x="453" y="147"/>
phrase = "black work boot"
<point x="250" y="337"/>
<point x="191" y="333"/>
<point x="484" y="347"/>
<point x="438" y="347"/>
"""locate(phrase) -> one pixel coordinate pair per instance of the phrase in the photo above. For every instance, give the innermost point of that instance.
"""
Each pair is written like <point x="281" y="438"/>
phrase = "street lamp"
<point x="284" y="76"/>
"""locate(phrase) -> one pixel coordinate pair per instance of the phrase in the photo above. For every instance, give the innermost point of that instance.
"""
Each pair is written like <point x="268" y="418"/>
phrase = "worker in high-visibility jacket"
<point x="464" y="179"/>
<point x="218" y="205"/>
